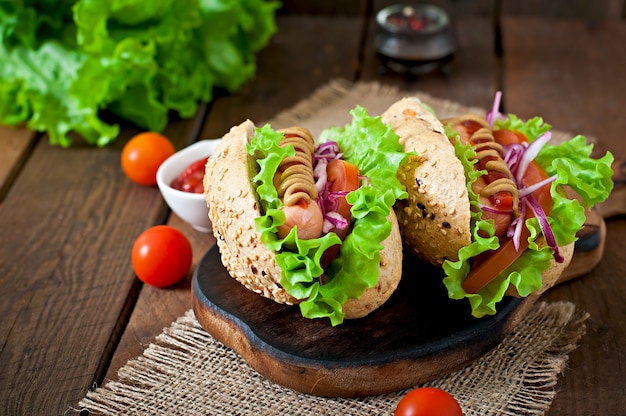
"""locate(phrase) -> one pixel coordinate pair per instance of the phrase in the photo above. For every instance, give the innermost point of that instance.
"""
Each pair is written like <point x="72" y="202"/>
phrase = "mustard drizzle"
<point x="295" y="173"/>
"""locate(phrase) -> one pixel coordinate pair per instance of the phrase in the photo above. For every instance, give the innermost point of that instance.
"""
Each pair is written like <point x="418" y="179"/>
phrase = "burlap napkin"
<point x="188" y="372"/>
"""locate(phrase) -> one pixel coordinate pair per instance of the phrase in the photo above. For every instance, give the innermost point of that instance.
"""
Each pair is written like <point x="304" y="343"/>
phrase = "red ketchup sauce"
<point x="190" y="180"/>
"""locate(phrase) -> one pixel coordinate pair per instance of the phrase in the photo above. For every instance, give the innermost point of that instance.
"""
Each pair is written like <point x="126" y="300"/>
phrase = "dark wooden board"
<point x="417" y="336"/>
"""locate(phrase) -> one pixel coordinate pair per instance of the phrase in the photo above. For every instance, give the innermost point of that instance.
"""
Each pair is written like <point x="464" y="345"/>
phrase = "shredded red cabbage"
<point x="334" y="220"/>
<point x="328" y="150"/>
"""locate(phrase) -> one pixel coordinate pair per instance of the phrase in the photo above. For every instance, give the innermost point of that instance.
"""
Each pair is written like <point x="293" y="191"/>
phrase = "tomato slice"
<point x="535" y="173"/>
<point x="343" y="177"/>
<point x="488" y="267"/>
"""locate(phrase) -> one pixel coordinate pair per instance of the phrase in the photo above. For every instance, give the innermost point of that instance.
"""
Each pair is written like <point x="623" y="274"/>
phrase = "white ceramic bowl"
<point x="191" y="207"/>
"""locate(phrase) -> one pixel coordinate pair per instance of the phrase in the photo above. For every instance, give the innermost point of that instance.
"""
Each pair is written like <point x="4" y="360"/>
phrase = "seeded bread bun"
<point x="435" y="219"/>
<point x="233" y="206"/>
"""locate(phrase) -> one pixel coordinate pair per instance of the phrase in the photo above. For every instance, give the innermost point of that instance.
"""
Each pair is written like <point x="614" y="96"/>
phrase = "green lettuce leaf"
<point x="571" y="162"/>
<point x="64" y="62"/>
<point x="375" y="148"/>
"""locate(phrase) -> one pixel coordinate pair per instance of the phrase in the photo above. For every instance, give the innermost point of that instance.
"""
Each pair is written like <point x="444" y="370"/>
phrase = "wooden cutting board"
<point x="417" y="336"/>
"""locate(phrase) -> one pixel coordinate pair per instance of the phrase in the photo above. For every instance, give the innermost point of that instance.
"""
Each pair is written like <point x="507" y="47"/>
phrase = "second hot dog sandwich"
<point x="489" y="199"/>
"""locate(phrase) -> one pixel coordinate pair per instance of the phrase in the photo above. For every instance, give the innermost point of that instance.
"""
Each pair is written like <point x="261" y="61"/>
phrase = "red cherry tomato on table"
<point x="161" y="256"/>
<point x="142" y="156"/>
<point x="428" y="401"/>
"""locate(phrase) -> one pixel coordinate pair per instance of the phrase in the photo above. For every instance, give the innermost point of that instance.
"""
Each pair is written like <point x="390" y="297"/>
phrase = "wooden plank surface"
<point x="15" y="146"/>
<point x="67" y="228"/>
<point x="572" y="70"/>
<point x="473" y="75"/>
<point x="579" y="87"/>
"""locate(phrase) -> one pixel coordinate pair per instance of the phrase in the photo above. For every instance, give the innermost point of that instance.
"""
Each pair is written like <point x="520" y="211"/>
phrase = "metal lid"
<point x="412" y="19"/>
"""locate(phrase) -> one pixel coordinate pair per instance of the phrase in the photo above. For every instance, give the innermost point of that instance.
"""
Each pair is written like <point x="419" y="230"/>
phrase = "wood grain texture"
<point x="472" y="78"/>
<point x="575" y="82"/>
<point x="572" y="82"/>
<point x="70" y="217"/>
<point x="15" y="146"/>
<point x="156" y="308"/>
<point x="68" y="225"/>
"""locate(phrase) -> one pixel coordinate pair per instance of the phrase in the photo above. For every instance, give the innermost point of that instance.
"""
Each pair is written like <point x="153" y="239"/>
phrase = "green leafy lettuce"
<point x="590" y="178"/>
<point x="376" y="150"/>
<point x="63" y="62"/>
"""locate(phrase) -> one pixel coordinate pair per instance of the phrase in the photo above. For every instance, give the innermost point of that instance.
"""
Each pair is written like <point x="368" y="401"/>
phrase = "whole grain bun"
<point x="435" y="219"/>
<point x="233" y="206"/>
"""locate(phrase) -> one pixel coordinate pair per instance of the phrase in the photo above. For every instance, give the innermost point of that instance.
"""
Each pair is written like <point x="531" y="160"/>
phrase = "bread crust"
<point x="388" y="277"/>
<point x="435" y="219"/>
<point x="233" y="206"/>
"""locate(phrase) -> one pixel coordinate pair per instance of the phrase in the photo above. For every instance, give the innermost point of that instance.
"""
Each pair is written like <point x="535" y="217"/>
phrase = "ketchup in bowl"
<point x="190" y="180"/>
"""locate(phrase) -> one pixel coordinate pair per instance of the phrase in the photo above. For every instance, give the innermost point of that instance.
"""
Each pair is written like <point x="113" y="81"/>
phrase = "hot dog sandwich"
<point x="310" y="224"/>
<point x="488" y="202"/>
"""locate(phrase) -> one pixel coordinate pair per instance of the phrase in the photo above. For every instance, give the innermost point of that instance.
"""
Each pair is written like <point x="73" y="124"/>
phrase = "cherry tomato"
<point x="161" y="256"/>
<point x="142" y="156"/>
<point x="428" y="401"/>
<point x="190" y="180"/>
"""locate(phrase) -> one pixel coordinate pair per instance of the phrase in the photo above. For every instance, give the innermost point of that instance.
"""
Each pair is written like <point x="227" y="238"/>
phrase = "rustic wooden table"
<point x="72" y="310"/>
